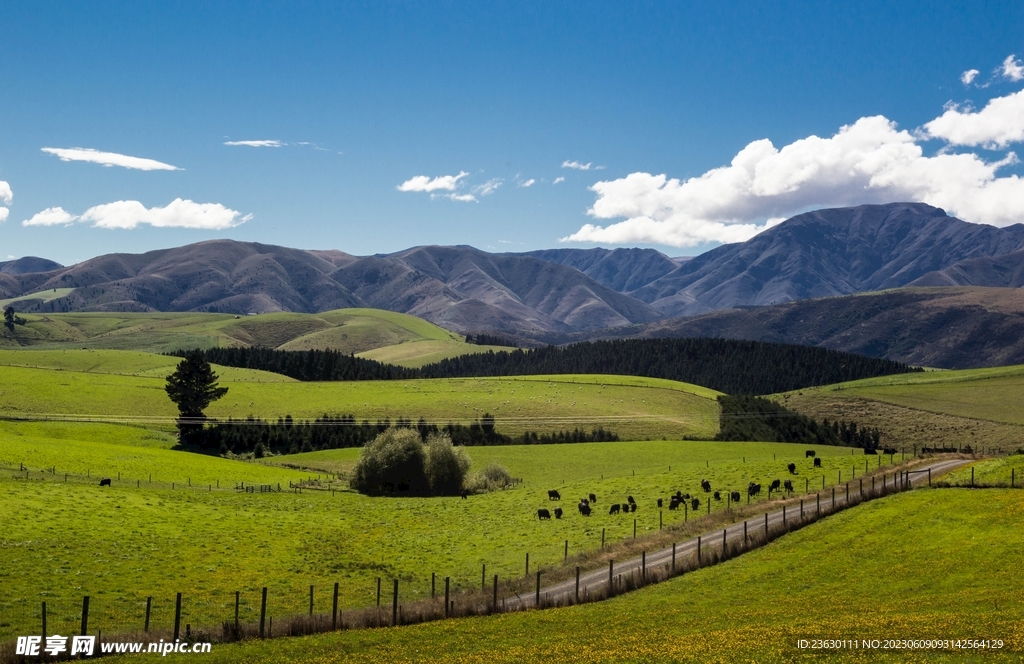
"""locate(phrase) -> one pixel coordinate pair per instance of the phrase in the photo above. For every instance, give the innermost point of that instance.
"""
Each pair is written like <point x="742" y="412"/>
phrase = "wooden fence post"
<point x="673" y="556"/>
<point x="602" y="538"/>
<point x="783" y="516"/>
<point x="447" y="581"/>
<point x="263" y="613"/>
<point x="177" y="615"/>
<point x="44" y="619"/>
<point x="643" y="565"/>
<point x="494" y="604"/>
<point x="483" y="577"/>
<point x="766" y="525"/>
<point x="565" y="556"/>
<point x="237" y="598"/>
<point x="577" y="584"/>
<point x="527" y="564"/>
<point x="85" y="615"/>
<point x="744" y="533"/>
<point x="394" y="606"/>
<point x="334" y="608"/>
<point x="634" y="528"/>
<point x="311" y="601"/>
<point x="149" y="605"/>
<point x="433" y="579"/>
<point x="611" y="576"/>
<point x="698" y="549"/>
<point x="378" y="592"/>
<point x="536" y="601"/>
<point x="724" y="530"/>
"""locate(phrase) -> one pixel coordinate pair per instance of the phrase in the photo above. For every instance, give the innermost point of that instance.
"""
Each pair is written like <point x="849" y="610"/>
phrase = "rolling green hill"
<point x="977" y="407"/>
<point x="374" y="333"/>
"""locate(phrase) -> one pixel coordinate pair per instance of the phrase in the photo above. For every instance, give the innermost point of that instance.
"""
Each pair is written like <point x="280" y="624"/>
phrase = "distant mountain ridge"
<point x="547" y="295"/>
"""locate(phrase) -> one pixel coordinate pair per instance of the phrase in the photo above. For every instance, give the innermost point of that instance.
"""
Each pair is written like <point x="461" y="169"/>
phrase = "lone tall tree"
<point x="193" y="387"/>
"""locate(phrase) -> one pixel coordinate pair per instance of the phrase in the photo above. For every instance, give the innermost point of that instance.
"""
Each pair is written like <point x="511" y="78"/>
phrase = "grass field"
<point x="119" y="544"/>
<point x="930" y="564"/>
<point x="977" y="407"/>
<point x="129" y="384"/>
<point x="383" y="335"/>
<point x="991" y="472"/>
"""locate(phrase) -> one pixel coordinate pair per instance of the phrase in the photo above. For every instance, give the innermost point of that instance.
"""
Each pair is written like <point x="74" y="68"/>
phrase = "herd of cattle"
<point x="585" y="505"/>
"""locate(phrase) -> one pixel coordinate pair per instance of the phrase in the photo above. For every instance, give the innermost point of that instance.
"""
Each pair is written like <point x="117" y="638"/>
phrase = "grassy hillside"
<point x="62" y="540"/>
<point x="889" y="569"/>
<point x="977" y="407"/>
<point x="131" y="385"/>
<point x="402" y="338"/>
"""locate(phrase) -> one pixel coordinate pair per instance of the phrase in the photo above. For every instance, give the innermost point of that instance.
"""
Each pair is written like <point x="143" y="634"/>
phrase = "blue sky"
<point x="379" y="107"/>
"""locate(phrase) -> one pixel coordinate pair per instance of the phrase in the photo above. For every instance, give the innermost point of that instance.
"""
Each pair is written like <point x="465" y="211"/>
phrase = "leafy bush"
<point x="494" y="476"/>
<point x="392" y="463"/>
<point x="446" y="466"/>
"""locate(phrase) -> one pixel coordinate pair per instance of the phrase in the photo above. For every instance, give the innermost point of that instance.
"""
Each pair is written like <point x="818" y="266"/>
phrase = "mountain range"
<point x="559" y="294"/>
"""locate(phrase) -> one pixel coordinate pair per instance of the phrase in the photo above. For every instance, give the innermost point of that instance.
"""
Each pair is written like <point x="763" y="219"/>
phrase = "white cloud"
<point x="968" y="76"/>
<point x="460" y="198"/>
<point x="558" y="179"/>
<point x="489" y="187"/>
<point x="1013" y="68"/>
<point x="425" y="183"/>
<point x="54" y="216"/>
<point x="527" y="183"/>
<point x="576" y="165"/>
<point x="177" y="214"/>
<point x="997" y="125"/>
<point x="4" y="212"/>
<point x="259" y="144"/>
<point x="6" y="195"/>
<point x="109" y="159"/>
<point x="869" y="161"/>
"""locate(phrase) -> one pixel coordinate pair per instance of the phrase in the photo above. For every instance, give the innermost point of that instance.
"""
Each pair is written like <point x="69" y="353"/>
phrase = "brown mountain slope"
<point x="951" y="328"/>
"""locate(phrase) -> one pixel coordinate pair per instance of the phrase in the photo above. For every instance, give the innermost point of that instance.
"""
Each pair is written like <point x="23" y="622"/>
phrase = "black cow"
<point x="686" y="496"/>
<point x="695" y="503"/>
<point x="753" y="489"/>
<point x="554" y="495"/>
<point x="593" y="499"/>
<point x="704" y="484"/>
<point x="464" y="494"/>
<point x="105" y="481"/>
<point x="673" y="504"/>
<point x="659" y="503"/>
<point x="679" y="495"/>
<point x="614" y="509"/>
<point x="808" y="453"/>
<point x="735" y="496"/>
<point x="625" y="508"/>
<point x="889" y="450"/>
<point x="774" y="485"/>
<point x="788" y="485"/>
<point x="817" y="463"/>
<point x="543" y="514"/>
<point x="718" y="495"/>
<point x="632" y="507"/>
<point x="584" y="509"/>
<point x="870" y="450"/>
<point x="558" y="512"/>
<point x="792" y="468"/>
<point x="629" y="499"/>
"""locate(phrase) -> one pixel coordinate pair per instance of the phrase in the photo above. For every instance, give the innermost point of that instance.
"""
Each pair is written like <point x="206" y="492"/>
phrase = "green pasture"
<point x="930" y="564"/>
<point x="369" y="332"/>
<point x="120" y="544"/>
<point x="42" y="296"/>
<point x="991" y="472"/>
<point x="126" y="385"/>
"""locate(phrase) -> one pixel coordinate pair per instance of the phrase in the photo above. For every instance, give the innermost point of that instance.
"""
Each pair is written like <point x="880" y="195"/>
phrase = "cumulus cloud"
<point x="997" y="125"/>
<point x="6" y="195"/>
<point x="54" y="216"/>
<point x="459" y="198"/>
<point x="425" y="183"/>
<point x="558" y="179"/>
<point x="109" y="159"/>
<point x="527" y="183"/>
<point x="130" y="214"/>
<point x="489" y="187"/>
<point x="4" y="212"/>
<point x="968" y="76"/>
<point x="869" y="161"/>
<point x="576" y="165"/>
<point x="1013" y="69"/>
<point x="259" y="144"/>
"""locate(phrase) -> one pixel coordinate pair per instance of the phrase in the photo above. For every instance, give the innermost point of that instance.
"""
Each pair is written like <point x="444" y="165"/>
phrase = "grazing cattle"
<point x="464" y="494"/>
<point x="593" y="499"/>
<point x="704" y="484"/>
<point x="718" y="495"/>
<point x="632" y="507"/>
<point x="543" y="514"/>
<point x="558" y="512"/>
<point x="673" y="504"/>
<point x="659" y="503"/>
<point x="629" y="499"/>
<point x="735" y="496"/>
<point x="554" y="495"/>
<point x="679" y="495"/>
<point x="774" y="485"/>
<point x="870" y="450"/>
<point x="686" y="496"/>
<point x="584" y="509"/>
<point x="625" y="508"/>
<point x="788" y="485"/>
<point x="105" y="481"/>
<point x="753" y="489"/>
<point x="889" y="450"/>
<point x="614" y="509"/>
<point x="817" y="463"/>
<point x="808" y="453"/>
<point x="695" y="503"/>
<point x="792" y="468"/>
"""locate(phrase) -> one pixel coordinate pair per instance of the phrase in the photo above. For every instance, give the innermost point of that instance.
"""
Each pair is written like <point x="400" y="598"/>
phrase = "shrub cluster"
<point x="397" y="462"/>
<point x="760" y="419"/>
